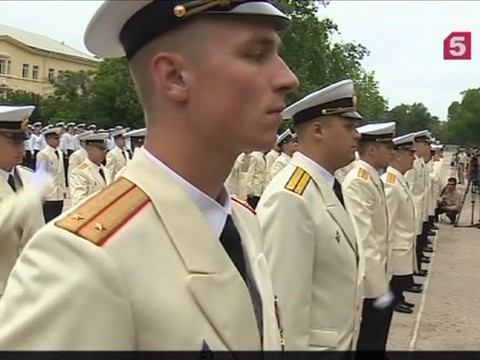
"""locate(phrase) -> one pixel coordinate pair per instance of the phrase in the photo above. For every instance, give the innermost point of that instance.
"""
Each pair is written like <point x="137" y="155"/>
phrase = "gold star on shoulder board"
<point x="77" y="217"/>
<point x="99" y="227"/>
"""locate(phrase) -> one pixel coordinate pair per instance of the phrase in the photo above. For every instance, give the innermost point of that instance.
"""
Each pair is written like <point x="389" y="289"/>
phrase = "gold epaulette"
<point x="82" y="166"/>
<point x="298" y="181"/>
<point x="391" y="177"/>
<point x="244" y="204"/>
<point x="362" y="173"/>
<point x="102" y="215"/>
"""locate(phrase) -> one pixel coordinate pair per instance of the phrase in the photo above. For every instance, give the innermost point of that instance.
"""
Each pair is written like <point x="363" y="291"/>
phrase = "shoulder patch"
<point x="82" y="166"/>
<point x="26" y="168"/>
<point x="391" y="177"/>
<point x="98" y="218"/>
<point x="244" y="204"/>
<point x="298" y="181"/>
<point x="362" y="173"/>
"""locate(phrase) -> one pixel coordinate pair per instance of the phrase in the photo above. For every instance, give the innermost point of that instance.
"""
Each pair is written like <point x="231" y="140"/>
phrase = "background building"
<point x="29" y="61"/>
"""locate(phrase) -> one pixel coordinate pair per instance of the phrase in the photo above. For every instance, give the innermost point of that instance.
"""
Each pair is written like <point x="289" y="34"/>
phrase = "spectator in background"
<point x="450" y="200"/>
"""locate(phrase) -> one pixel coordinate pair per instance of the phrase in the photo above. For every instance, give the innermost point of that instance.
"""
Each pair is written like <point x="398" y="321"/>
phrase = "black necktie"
<point x="102" y="174"/>
<point x="337" y="188"/>
<point x="11" y="182"/>
<point x="56" y="154"/>
<point x="232" y="243"/>
<point x="124" y="156"/>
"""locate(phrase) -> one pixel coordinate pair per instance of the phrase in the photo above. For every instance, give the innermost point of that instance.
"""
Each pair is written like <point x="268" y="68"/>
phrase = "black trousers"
<point x="451" y="214"/>
<point x="51" y="209"/>
<point x="253" y="201"/>
<point x="33" y="165"/>
<point x="375" y="327"/>
<point x="27" y="159"/>
<point x="399" y="284"/>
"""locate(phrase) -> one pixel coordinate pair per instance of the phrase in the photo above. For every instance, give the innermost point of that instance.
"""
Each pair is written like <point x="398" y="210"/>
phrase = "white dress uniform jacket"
<point x="401" y="211"/>
<point x="257" y="174"/>
<point x="416" y="179"/>
<point x="270" y="158"/>
<point x="366" y="204"/>
<point x="122" y="271"/>
<point x="116" y="160"/>
<point x="85" y="180"/>
<point x="236" y="182"/>
<point x="311" y="247"/>
<point x="20" y="217"/>
<point x="76" y="159"/>
<point x="278" y="165"/>
<point x="53" y="164"/>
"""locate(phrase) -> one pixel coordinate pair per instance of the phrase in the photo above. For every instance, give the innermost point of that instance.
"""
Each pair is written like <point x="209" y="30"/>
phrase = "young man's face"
<point x="237" y="93"/>
<point x="12" y="152"/>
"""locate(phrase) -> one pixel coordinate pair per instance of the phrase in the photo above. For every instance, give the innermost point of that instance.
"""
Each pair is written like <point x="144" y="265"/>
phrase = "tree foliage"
<point x="463" y="126"/>
<point x="415" y="117"/>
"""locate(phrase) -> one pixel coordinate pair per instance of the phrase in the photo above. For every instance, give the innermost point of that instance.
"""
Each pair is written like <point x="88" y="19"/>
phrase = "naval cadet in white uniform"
<point x="309" y="239"/>
<point x="163" y="258"/>
<point x="366" y="204"/>
<point x="401" y="225"/>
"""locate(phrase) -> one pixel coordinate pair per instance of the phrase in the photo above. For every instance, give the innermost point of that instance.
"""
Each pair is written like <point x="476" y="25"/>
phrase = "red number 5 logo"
<point x="458" y="46"/>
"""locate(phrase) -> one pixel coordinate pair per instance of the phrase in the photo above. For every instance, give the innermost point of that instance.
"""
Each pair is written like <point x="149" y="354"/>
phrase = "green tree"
<point x="70" y="99"/>
<point x="114" y="99"/>
<point x="415" y="117"/>
<point x="463" y="126"/>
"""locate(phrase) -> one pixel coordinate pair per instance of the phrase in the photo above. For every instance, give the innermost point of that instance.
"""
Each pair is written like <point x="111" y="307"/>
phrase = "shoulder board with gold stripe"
<point x="391" y="177"/>
<point x="82" y="166"/>
<point x="98" y="218"/>
<point x="244" y="204"/>
<point x="362" y="173"/>
<point x="298" y="181"/>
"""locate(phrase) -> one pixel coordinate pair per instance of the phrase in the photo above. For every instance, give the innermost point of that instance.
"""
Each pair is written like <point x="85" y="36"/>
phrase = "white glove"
<point x="384" y="301"/>
<point x="41" y="179"/>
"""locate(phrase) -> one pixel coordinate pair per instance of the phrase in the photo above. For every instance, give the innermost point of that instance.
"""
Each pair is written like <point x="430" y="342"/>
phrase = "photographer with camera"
<point x="450" y="201"/>
<point x="472" y="168"/>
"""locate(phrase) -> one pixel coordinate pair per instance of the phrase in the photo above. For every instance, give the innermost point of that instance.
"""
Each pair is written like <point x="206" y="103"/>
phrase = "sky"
<point x="405" y="40"/>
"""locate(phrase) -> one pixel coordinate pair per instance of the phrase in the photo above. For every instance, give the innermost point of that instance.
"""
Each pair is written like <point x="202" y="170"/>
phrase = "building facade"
<point x="30" y="62"/>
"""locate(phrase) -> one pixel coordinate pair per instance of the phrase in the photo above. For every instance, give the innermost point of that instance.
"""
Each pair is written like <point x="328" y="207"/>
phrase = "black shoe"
<point x="434" y="227"/>
<point x="427" y="249"/>
<point x="402" y="308"/>
<point x="415" y="289"/>
<point x="410" y="305"/>
<point x="431" y="233"/>
<point x="426" y="260"/>
<point x="422" y="273"/>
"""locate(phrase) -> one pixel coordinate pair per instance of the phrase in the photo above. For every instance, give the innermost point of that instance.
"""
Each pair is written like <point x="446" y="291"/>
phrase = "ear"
<point x="169" y="75"/>
<point x="318" y="130"/>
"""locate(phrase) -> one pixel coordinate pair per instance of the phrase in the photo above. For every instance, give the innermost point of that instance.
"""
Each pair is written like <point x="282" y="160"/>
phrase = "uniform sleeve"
<point x="42" y="161"/>
<point x="110" y="162"/>
<point x="64" y="293"/>
<point x="361" y="213"/>
<point x="289" y="247"/>
<point x="16" y="210"/>
<point x="392" y="207"/>
<point x="275" y="169"/>
<point x="78" y="186"/>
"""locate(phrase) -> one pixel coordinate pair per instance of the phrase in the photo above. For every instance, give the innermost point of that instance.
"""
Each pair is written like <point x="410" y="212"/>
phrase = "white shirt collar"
<point x="215" y="213"/>
<point x="6" y="174"/>
<point x="329" y="178"/>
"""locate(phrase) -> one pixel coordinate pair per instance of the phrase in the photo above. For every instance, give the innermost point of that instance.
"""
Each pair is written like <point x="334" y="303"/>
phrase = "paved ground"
<point x="446" y="315"/>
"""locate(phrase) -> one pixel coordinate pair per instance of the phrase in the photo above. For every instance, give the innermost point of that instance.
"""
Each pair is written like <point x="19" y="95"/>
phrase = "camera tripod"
<point x="472" y="187"/>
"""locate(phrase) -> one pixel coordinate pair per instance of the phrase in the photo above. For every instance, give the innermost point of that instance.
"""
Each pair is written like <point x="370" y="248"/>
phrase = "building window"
<point x="35" y="72"/>
<point x="51" y="74"/>
<point x="25" y="70"/>
<point x="60" y="75"/>
<point x="3" y="94"/>
<point x="9" y="65"/>
<point x="3" y="66"/>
